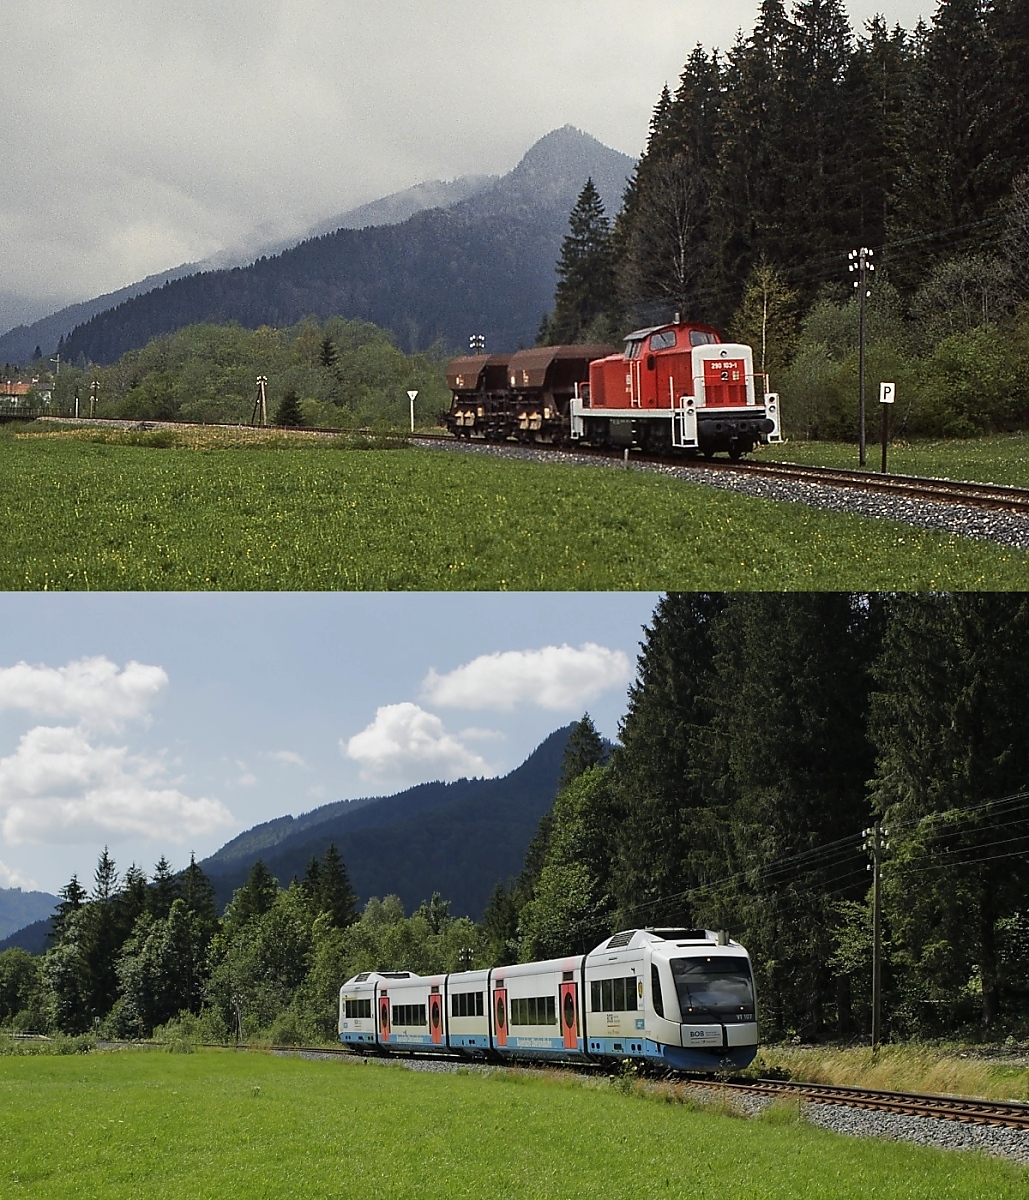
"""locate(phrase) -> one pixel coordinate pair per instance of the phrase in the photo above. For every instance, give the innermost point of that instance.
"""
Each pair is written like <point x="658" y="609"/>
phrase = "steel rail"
<point x="1008" y="1114"/>
<point x="910" y="487"/>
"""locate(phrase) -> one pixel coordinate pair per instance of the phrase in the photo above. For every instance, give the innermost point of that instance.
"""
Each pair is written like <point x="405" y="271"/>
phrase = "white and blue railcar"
<point x="678" y="998"/>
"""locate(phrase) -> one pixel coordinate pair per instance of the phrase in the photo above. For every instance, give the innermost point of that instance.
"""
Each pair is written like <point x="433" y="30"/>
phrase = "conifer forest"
<point x="774" y="164"/>
<point x="763" y="736"/>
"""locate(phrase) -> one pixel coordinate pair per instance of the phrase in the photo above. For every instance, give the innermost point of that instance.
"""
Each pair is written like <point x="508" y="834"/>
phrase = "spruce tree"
<point x="658" y="773"/>
<point x="585" y="748"/>
<point x="949" y="731"/>
<point x="585" y="289"/>
<point x="334" y="892"/>
<point x="289" y="415"/>
<point x="789" y="757"/>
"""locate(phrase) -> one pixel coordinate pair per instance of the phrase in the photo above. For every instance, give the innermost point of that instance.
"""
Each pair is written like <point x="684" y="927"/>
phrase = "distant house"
<point x="17" y="393"/>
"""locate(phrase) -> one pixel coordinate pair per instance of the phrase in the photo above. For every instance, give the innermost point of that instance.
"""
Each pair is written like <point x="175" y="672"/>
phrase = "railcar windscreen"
<point x="717" y="988"/>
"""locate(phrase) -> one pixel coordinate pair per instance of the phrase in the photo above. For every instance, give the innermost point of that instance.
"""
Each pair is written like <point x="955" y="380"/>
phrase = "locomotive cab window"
<point x="699" y="338"/>
<point x="632" y="349"/>
<point x="717" y="988"/>
<point x="664" y="340"/>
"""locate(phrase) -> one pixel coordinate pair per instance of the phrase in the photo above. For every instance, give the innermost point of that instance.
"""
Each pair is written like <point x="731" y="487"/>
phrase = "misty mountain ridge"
<point x="18" y="344"/>
<point x="18" y="909"/>
<point x="485" y="264"/>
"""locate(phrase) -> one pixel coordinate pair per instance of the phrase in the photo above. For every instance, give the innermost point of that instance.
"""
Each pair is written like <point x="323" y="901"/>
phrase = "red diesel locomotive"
<point x="676" y="387"/>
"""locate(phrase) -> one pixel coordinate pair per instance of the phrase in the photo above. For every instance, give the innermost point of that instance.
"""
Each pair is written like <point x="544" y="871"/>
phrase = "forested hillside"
<point x="484" y="265"/>
<point x="457" y="838"/>
<point x="772" y="163"/>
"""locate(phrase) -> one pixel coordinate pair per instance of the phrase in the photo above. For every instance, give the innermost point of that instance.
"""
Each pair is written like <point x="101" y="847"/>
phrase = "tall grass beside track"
<point x="85" y="511"/>
<point x="952" y="1071"/>
<point x="221" y="1125"/>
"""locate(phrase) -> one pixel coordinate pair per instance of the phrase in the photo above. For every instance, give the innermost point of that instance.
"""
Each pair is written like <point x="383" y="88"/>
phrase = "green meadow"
<point x="96" y="512"/>
<point x="224" y="1125"/>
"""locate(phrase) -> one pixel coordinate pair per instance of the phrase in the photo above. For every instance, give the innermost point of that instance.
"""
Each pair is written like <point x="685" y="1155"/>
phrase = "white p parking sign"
<point x="887" y="393"/>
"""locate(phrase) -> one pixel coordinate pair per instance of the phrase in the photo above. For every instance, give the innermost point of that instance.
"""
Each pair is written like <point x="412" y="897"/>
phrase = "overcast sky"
<point x="139" y="135"/>
<point x="160" y="724"/>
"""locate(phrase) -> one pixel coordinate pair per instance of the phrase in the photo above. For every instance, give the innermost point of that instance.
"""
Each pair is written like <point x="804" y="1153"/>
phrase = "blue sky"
<point x="169" y="723"/>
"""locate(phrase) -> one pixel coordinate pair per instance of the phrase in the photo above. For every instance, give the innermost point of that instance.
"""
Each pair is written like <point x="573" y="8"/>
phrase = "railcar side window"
<point x="613" y="995"/>
<point x="467" y="1004"/>
<point x="533" y="1010"/>
<point x="655" y="988"/>
<point x="664" y="340"/>
<point x="714" y="988"/>
<point x="357" y="1010"/>
<point x="409" y="1014"/>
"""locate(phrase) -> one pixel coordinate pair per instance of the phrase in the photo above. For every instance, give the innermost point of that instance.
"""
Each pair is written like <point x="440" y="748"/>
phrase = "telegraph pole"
<point x="259" y="415"/>
<point x="94" y="397"/>
<point x="876" y="845"/>
<point x="860" y="262"/>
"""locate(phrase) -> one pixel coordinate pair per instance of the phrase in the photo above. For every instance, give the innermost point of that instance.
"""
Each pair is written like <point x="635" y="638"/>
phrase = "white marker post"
<point x="887" y="395"/>
<point x="411" y="396"/>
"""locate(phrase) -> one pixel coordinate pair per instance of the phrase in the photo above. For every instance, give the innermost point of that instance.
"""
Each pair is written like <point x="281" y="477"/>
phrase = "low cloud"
<point x="405" y="744"/>
<point x="60" y="787"/>
<point x="92" y="691"/>
<point x="558" y="678"/>
<point x="10" y="878"/>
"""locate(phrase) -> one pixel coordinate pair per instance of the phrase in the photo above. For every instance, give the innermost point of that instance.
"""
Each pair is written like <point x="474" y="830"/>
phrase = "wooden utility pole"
<point x="259" y="415"/>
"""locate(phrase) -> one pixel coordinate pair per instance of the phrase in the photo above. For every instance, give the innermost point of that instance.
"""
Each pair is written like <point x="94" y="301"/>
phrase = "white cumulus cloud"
<point x="58" y="786"/>
<point x="406" y="744"/>
<point x="93" y="691"/>
<point x="560" y="678"/>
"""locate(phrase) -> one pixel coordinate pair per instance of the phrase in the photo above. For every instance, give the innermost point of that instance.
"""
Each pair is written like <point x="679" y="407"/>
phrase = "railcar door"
<point x="384" y="1018"/>
<point x="500" y="1016"/>
<point x="570" y="1015"/>
<point x="436" y="1017"/>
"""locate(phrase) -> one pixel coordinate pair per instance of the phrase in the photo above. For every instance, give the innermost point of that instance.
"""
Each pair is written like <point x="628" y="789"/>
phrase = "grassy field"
<point x="949" y="1071"/>
<point x="222" y="1125"/>
<point x="1003" y="458"/>
<point x="99" y="514"/>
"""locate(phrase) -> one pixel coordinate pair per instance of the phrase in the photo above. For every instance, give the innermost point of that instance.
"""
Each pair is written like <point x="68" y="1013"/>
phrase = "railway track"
<point x="1001" y="1113"/>
<point x="996" y="497"/>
